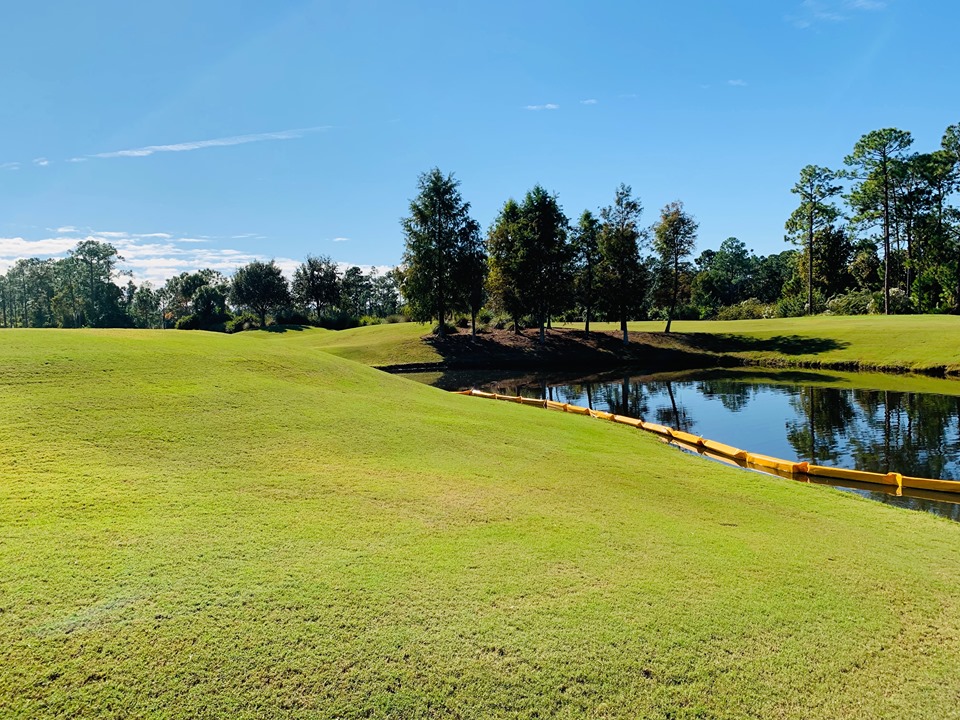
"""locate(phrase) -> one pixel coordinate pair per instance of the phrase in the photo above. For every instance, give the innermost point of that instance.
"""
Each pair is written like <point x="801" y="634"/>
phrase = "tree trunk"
<point x="676" y="289"/>
<point x="263" y="319"/>
<point x="623" y="329"/>
<point x="473" y="322"/>
<point x="886" y="238"/>
<point x="810" y="262"/>
<point x="543" y="335"/>
<point x="586" y="327"/>
<point x="516" y="325"/>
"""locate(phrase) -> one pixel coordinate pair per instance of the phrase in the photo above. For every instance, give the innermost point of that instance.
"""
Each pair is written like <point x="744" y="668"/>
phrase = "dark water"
<point x="802" y="415"/>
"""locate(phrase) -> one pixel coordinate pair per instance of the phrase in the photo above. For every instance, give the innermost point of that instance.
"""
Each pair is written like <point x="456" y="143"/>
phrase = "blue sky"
<point x="208" y="133"/>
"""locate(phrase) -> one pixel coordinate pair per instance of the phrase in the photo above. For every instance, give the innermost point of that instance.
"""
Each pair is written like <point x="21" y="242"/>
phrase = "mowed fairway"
<point x="903" y="342"/>
<point x="199" y="525"/>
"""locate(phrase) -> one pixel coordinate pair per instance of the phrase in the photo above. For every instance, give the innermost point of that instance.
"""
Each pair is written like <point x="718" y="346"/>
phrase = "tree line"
<point x="81" y="290"/>
<point x="893" y="246"/>
<point x="879" y="235"/>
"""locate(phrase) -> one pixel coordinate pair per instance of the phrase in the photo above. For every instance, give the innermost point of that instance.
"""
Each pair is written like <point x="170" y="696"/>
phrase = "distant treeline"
<point x="80" y="290"/>
<point x="879" y="236"/>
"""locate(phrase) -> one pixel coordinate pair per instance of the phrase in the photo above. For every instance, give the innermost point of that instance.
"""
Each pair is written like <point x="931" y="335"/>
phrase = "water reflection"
<point x="794" y="415"/>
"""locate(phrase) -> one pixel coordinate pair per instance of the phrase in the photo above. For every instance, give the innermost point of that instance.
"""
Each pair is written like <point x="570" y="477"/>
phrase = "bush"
<point x="857" y="302"/>
<point x="448" y="329"/>
<point x="338" y="321"/>
<point x="215" y="323"/>
<point x="290" y="316"/>
<point x="484" y="317"/>
<point x="393" y="319"/>
<point x="462" y="321"/>
<point x="899" y="303"/>
<point x="369" y="320"/>
<point x="749" y="309"/>
<point x="239" y="323"/>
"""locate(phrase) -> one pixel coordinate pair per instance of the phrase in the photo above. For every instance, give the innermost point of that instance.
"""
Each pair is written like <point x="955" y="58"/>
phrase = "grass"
<point x="381" y="345"/>
<point x="870" y="342"/>
<point x="906" y="342"/>
<point x="198" y="525"/>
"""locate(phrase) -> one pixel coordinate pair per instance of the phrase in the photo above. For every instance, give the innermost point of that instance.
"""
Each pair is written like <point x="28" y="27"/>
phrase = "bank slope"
<point x="202" y="525"/>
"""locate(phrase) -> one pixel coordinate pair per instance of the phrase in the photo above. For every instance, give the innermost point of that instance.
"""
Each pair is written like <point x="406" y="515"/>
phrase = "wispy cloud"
<point x="148" y="150"/>
<point x="341" y="239"/>
<point x="41" y="162"/>
<point x="10" y="166"/>
<point x="811" y="13"/>
<point x="590" y="101"/>
<point x="548" y="106"/>
<point x="737" y="83"/>
<point x="153" y="256"/>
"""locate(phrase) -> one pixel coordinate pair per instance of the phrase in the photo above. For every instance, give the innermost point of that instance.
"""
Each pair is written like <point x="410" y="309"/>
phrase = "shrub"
<point x="749" y="309"/>
<point x="448" y="329"/>
<point x="462" y="321"/>
<point x="857" y="302"/>
<point x="484" y="317"/>
<point x="239" y="323"/>
<point x="290" y="316"/>
<point x="369" y="320"/>
<point x="393" y="319"/>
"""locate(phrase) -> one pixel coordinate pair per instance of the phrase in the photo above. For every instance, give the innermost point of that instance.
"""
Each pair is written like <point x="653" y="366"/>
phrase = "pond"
<point x="834" y="419"/>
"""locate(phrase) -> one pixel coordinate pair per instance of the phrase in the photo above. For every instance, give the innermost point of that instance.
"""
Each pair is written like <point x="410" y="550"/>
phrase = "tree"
<point x="434" y="235"/>
<point x="815" y="187"/>
<point x="354" y="292"/>
<point x="674" y="239"/>
<point x="586" y="247"/>
<point x="98" y="261"/>
<point x="471" y="271"/>
<point x="261" y="287"/>
<point x="725" y="276"/>
<point x="621" y="271"/>
<point x="316" y="282"/>
<point x="505" y="263"/>
<point x="145" y="306"/>
<point x="871" y="165"/>
<point x="545" y="255"/>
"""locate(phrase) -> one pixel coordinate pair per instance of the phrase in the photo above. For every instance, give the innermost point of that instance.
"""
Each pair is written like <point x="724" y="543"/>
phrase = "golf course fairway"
<point x="199" y="525"/>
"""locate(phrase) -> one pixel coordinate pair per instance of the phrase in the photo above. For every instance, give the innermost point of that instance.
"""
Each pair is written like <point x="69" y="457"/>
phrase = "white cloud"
<point x="591" y="101"/>
<point x="548" y="106"/>
<point x="10" y="166"/>
<point x="148" y="150"/>
<point x="152" y="257"/>
<point x="867" y="4"/>
<point x="341" y="239"/>
<point x="77" y="159"/>
<point x="737" y="83"/>
<point x="41" y="162"/>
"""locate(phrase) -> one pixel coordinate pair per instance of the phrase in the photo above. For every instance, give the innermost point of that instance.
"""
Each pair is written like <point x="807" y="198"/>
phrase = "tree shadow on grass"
<point x="285" y="328"/>
<point x="784" y="344"/>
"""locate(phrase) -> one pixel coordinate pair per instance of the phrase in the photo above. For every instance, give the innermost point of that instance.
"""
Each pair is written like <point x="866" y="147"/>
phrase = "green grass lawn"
<point x="911" y="342"/>
<point x="908" y="342"/>
<point x="379" y="345"/>
<point x="199" y="525"/>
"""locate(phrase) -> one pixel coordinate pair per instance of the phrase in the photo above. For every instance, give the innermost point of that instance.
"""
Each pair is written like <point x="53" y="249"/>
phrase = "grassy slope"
<point x="908" y="342"/>
<point x="379" y="345"/>
<point x="913" y="342"/>
<point x="196" y="525"/>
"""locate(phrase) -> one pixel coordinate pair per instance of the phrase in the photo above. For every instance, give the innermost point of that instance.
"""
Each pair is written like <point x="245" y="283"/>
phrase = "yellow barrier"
<point x="687" y="438"/>
<point x="726" y="450"/>
<point x="658" y="429"/>
<point x="858" y="475"/>
<point x="721" y="451"/>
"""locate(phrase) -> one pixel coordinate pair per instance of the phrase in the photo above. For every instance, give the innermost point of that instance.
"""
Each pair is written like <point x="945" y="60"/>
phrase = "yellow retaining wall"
<point x="765" y="463"/>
